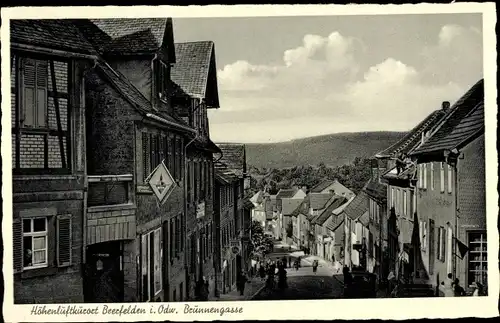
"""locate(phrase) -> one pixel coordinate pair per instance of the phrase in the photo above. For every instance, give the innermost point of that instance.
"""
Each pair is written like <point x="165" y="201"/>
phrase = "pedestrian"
<point x="242" y="280"/>
<point x="284" y="261"/>
<point x="315" y="266"/>
<point x="289" y="261"/>
<point x="262" y="272"/>
<point x="459" y="290"/>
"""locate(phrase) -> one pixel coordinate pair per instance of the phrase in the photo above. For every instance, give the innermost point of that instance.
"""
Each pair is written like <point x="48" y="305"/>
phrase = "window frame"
<point x="450" y="179"/>
<point x="441" y="177"/>
<point x="432" y="176"/>
<point x="483" y="241"/>
<point x="34" y="234"/>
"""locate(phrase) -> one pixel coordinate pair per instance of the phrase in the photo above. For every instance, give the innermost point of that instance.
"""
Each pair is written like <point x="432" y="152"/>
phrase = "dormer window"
<point x="162" y="79"/>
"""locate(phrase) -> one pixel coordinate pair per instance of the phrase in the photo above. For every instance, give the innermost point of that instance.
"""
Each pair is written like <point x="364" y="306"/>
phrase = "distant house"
<point x="258" y="212"/>
<point x="272" y="218"/>
<point x="359" y="241"/>
<point x="291" y="198"/>
<point x="324" y="242"/>
<point x="335" y="228"/>
<point x="333" y="186"/>
<point x="318" y="202"/>
<point x="300" y="223"/>
<point x="451" y="201"/>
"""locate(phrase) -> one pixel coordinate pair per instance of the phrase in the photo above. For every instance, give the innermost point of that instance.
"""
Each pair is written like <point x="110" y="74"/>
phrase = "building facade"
<point x="194" y="82"/>
<point x="450" y="199"/>
<point x="48" y="160"/>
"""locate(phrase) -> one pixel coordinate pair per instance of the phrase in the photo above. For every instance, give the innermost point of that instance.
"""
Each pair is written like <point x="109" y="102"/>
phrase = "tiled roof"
<point x="225" y="172"/>
<point x="327" y="212"/>
<point x="50" y="33"/>
<point x="195" y="68"/>
<point x="132" y="35"/>
<point x="406" y="174"/>
<point x="341" y="208"/>
<point x="321" y="186"/>
<point x="206" y="145"/>
<point x="376" y="190"/>
<point x="233" y="155"/>
<point x="247" y="204"/>
<point x="319" y="200"/>
<point x="290" y="206"/>
<point x="132" y="94"/>
<point x="464" y="121"/>
<point x="333" y="225"/>
<point x="413" y="138"/>
<point x="358" y="206"/>
<point x="365" y="218"/>
<point x="286" y="193"/>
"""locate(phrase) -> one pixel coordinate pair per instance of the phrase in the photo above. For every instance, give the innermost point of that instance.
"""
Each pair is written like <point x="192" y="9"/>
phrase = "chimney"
<point x="445" y="105"/>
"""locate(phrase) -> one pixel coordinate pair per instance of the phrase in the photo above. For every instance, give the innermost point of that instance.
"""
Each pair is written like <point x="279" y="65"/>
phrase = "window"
<point x="432" y="176"/>
<point x="441" y="176"/>
<point x="162" y="79"/>
<point x="423" y="235"/>
<point x="477" y="270"/>
<point x="157" y="148"/>
<point x="425" y="175"/>
<point x="173" y="252"/>
<point x="151" y="259"/>
<point x="405" y="204"/>
<point x="34" y="91"/>
<point x="414" y="197"/>
<point x="441" y="244"/>
<point x="35" y="243"/>
<point x="392" y="196"/>
<point x="420" y="176"/>
<point x="450" y="179"/>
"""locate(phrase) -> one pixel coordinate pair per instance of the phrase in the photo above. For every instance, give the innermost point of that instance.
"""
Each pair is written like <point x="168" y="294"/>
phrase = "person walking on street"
<point x="262" y="272"/>
<point x="242" y="280"/>
<point x="290" y="262"/>
<point x="315" y="266"/>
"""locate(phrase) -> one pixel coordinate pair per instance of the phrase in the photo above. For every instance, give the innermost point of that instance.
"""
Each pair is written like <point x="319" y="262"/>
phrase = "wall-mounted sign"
<point x="161" y="182"/>
<point x="235" y="250"/>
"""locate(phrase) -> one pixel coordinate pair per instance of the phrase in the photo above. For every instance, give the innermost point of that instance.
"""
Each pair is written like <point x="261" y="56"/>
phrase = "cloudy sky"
<point x="282" y="78"/>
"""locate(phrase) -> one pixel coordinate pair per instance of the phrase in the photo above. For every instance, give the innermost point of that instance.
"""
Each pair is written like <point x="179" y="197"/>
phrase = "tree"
<point x="261" y="244"/>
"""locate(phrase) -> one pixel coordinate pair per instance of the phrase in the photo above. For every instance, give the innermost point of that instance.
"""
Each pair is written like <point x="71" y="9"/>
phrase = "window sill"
<point x="38" y="272"/>
<point x="42" y="177"/>
<point x="114" y="207"/>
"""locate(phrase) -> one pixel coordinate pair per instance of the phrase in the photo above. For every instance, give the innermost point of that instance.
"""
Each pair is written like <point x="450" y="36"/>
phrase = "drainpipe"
<point x="454" y="157"/>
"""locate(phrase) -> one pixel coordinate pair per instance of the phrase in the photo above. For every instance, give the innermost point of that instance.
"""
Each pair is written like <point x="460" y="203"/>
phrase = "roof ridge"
<point x="457" y="105"/>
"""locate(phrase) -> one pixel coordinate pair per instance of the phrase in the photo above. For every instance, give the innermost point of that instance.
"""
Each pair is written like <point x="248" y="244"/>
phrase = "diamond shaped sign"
<point x="161" y="182"/>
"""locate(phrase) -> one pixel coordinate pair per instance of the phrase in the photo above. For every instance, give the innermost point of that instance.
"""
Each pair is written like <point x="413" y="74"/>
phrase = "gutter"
<point x="49" y="51"/>
<point x="172" y="124"/>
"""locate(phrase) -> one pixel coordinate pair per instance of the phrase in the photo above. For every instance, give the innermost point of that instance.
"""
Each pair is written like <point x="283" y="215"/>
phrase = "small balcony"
<point x="110" y="208"/>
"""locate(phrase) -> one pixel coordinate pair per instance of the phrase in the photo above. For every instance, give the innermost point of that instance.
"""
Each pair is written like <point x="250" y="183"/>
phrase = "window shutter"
<point x="432" y="255"/>
<point x="17" y="235"/>
<point x="145" y="154"/>
<point x="64" y="240"/>
<point x="29" y="100"/>
<point x="41" y="93"/>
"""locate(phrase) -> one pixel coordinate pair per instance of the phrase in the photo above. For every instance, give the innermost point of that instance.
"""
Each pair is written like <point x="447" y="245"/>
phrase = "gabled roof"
<point x="129" y="36"/>
<point x="286" y="193"/>
<point x="234" y="156"/>
<point x="291" y="206"/>
<point x="365" y="218"/>
<point x="50" y="33"/>
<point x="133" y="95"/>
<point x="318" y="201"/>
<point x="195" y="71"/>
<point x="327" y="212"/>
<point x="334" y="186"/>
<point x="224" y="173"/>
<point x="412" y="138"/>
<point x="333" y="225"/>
<point x="464" y="122"/>
<point x="376" y="190"/>
<point x="341" y="208"/>
<point x="358" y="206"/>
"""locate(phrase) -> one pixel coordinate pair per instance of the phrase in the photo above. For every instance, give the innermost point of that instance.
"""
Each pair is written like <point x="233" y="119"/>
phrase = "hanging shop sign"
<point x="161" y="182"/>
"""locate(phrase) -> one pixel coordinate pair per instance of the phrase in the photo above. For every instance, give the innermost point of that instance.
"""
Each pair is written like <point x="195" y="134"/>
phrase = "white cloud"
<point x="318" y="88"/>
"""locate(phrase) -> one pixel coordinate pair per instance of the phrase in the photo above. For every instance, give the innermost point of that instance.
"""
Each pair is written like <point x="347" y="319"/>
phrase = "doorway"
<point x="104" y="274"/>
